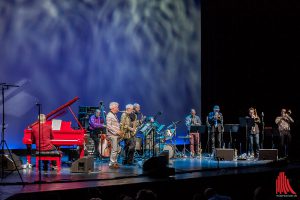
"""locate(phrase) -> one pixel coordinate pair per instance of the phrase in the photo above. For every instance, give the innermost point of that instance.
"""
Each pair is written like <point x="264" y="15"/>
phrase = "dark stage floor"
<point x="103" y="176"/>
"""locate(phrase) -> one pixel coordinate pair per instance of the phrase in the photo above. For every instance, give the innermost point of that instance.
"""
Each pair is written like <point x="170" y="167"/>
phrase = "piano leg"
<point x="81" y="151"/>
<point x="28" y="156"/>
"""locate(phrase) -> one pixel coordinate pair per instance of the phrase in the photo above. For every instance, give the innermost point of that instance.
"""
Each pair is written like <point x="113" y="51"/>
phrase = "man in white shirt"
<point x="114" y="133"/>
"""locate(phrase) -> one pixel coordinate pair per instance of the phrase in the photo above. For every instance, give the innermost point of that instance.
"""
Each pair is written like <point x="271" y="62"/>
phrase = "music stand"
<point x="202" y="131"/>
<point x="145" y="130"/>
<point x="231" y="128"/>
<point x="244" y="123"/>
<point x="5" y="86"/>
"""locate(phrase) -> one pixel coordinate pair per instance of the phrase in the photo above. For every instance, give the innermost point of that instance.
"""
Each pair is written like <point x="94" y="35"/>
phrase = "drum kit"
<point x="104" y="147"/>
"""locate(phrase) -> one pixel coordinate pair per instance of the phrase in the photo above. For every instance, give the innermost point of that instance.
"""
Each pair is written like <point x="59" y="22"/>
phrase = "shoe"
<point x="54" y="167"/>
<point x="192" y="155"/>
<point x="114" y="166"/>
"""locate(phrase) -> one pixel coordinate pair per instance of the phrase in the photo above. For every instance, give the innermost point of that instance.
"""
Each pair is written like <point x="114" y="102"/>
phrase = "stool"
<point x="50" y="156"/>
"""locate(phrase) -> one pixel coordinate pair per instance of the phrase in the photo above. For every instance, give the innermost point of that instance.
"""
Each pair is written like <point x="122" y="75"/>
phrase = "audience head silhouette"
<point x="145" y="194"/>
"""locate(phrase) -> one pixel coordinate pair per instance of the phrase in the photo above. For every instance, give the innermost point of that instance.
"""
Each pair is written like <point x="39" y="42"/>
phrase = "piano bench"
<point x="50" y="156"/>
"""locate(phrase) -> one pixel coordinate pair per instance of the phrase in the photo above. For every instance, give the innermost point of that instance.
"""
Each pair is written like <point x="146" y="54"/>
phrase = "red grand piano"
<point x="64" y="135"/>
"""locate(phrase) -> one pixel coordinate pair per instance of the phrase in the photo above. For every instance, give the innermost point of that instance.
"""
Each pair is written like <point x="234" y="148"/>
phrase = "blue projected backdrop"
<point x="125" y="51"/>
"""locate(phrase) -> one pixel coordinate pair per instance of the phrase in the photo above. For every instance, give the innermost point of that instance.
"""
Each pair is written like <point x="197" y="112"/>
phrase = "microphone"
<point x="157" y="114"/>
<point x="262" y="114"/>
<point x="37" y="102"/>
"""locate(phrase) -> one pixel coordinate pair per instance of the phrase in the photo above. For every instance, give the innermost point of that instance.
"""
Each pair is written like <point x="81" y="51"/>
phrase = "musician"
<point x="43" y="132"/>
<point x="214" y="122"/>
<point x="253" y="123"/>
<point x="128" y="126"/>
<point x="284" y="127"/>
<point x="139" y="115"/>
<point x="193" y="120"/>
<point x="96" y="127"/>
<point x="114" y="133"/>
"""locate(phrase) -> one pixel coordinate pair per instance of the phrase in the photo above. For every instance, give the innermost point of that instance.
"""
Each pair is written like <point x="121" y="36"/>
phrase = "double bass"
<point x="105" y="144"/>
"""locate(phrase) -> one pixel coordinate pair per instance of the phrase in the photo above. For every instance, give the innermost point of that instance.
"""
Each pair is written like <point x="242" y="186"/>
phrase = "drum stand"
<point x="184" y="150"/>
<point x="177" y="153"/>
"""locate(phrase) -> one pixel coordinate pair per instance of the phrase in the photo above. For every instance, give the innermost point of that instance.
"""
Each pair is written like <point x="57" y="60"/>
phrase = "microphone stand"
<point x="262" y="131"/>
<point x="154" y="133"/>
<point x="39" y="114"/>
<point x="246" y="136"/>
<point x="103" y="131"/>
<point x="5" y="86"/>
<point x="153" y="139"/>
<point x="177" y="152"/>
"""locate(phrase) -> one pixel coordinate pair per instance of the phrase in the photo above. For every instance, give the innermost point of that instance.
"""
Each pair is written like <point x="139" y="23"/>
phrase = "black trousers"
<point x="285" y="144"/>
<point x="214" y="134"/>
<point x="129" y="150"/>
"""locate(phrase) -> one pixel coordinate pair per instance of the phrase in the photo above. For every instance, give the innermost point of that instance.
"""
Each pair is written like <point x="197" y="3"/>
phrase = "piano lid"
<point x="61" y="110"/>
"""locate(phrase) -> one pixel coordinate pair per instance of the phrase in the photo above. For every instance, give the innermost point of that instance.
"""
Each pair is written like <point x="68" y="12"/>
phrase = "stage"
<point x="192" y="175"/>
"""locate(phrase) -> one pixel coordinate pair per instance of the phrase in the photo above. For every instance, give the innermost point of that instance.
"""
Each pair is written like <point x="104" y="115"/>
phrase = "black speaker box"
<point x="268" y="154"/>
<point x="85" y="165"/>
<point x="224" y="154"/>
<point x="8" y="162"/>
<point x="157" y="166"/>
<point x="166" y="155"/>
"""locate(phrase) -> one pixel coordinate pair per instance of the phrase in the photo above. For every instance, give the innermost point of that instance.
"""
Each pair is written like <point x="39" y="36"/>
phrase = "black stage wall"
<point x="250" y="58"/>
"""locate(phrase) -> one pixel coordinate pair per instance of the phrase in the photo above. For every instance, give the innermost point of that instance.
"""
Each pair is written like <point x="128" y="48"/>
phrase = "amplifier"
<point x="268" y="154"/>
<point x="225" y="154"/>
<point x="85" y="165"/>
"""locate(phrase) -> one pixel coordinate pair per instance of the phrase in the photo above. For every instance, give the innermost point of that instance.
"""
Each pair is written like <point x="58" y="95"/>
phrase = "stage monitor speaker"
<point x="268" y="154"/>
<point x="7" y="162"/>
<point x="224" y="154"/>
<point x="157" y="166"/>
<point x="83" y="165"/>
<point x="166" y="155"/>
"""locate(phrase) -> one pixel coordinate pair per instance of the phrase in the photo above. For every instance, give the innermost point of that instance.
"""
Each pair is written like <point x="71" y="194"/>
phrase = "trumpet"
<point x="217" y="119"/>
<point x="217" y="116"/>
<point x="289" y="112"/>
<point x="255" y="116"/>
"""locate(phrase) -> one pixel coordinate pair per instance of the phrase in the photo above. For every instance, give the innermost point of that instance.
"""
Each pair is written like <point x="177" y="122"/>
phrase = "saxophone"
<point x="137" y="124"/>
<point x="134" y="127"/>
